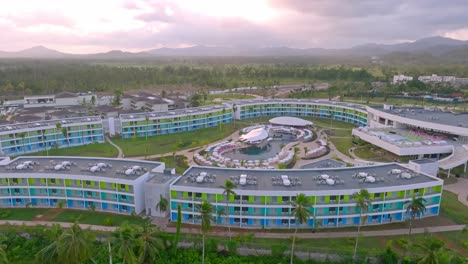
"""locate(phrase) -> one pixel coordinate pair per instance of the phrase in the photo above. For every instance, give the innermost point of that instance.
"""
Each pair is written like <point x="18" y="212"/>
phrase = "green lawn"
<point x="133" y="147"/>
<point x="377" y="154"/>
<point x="91" y="150"/>
<point x="21" y="214"/>
<point x="453" y="209"/>
<point x="95" y="218"/>
<point x="179" y="163"/>
<point x="66" y="215"/>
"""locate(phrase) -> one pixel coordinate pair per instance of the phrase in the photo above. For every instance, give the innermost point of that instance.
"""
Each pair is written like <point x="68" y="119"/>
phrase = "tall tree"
<point x="149" y="242"/>
<point x="301" y="212"/>
<point x="124" y="242"/>
<point x="69" y="246"/>
<point x="58" y="129"/>
<point x="117" y="100"/>
<point x="363" y="202"/>
<point x="163" y="204"/>
<point x="22" y="135"/>
<point x="146" y="127"/>
<point x="65" y="135"/>
<point x="430" y="251"/>
<point x="75" y="245"/>
<point x="206" y="217"/>
<point x="414" y="207"/>
<point x="228" y="191"/>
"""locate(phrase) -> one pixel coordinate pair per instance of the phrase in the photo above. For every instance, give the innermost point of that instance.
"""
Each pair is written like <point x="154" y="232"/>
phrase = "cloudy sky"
<point x="100" y="25"/>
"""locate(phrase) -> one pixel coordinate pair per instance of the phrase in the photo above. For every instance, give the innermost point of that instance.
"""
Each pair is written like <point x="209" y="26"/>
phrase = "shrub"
<point x="108" y="221"/>
<point x="278" y="250"/>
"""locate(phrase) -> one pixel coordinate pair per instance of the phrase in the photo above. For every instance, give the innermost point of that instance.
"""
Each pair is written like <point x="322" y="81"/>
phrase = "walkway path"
<point x="120" y="155"/>
<point x="257" y="233"/>
<point x="459" y="188"/>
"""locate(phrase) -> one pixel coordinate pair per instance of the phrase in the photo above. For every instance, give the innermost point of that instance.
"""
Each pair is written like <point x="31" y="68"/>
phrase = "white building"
<point x="436" y="79"/>
<point x="61" y="99"/>
<point x="417" y="131"/>
<point x="397" y="79"/>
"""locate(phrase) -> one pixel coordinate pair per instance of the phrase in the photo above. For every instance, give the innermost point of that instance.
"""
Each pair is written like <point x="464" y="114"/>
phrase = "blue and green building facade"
<point x="154" y="124"/>
<point x="76" y="186"/>
<point x="22" y="138"/>
<point x="267" y="206"/>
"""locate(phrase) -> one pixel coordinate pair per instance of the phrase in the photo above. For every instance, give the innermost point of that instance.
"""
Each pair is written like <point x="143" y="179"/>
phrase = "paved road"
<point x="120" y="155"/>
<point x="460" y="188"/>
<point x="257" y="233"/>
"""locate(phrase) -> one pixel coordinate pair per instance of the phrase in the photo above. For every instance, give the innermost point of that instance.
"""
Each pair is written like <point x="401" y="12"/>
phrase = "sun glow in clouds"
<point x="252" y="10"/>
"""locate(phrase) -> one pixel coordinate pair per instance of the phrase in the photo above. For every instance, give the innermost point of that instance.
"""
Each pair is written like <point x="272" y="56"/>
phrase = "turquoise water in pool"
<point x="259" y="152"/>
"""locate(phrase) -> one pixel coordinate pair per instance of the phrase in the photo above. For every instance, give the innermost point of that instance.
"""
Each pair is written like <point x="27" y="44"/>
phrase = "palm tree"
<point x="219" y="214"/>
<point x="146" y="127"/>
<point x="70" y="246"/>
<point x="228" y="190"/>
<point x="163" y="204"/>
<point x="58" y="127"/>
<point x="124" y="243"/>
<point x="65" y="135"/>
<point x="301" y="213"/>
<point x="44" y="142"/>
<point x="22" y="135"/>
<point x="415" y="207"/>
<point x="431" y="250"/>
<point x="149" y="242"/>
<point x="50" y="253"/>
<point x="206" y="217"/>
<point x="75" y="245"/>
<point x="363" y="202"/>
<point x="234" y="110"/>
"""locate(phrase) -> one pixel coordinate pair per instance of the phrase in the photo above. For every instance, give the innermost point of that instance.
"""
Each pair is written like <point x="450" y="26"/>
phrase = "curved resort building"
<point x="262" y="196"/>
<point x="109" y="185"/>
<point x="418" y="132"/>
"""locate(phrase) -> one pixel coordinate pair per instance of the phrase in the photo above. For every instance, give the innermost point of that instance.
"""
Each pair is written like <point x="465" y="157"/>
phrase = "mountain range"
<point x="435" y="46"/>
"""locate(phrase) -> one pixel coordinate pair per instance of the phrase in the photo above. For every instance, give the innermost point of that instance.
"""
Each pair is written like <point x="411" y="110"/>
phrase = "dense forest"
<point x="25" y="77"/>
<point x="54" y="76"/>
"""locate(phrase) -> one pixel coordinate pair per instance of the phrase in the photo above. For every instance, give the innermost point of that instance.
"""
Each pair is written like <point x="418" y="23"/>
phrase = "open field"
<point x="66" y="215"/>
<point x="91" y="150"/>
<point x="169" y="143"/>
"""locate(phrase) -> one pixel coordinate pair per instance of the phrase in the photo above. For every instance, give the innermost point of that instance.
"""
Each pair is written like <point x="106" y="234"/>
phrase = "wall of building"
<point x="270" y="209"/>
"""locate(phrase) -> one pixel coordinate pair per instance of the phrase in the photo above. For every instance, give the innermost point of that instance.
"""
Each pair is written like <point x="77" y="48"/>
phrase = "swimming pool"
<point x="258" y="152"/>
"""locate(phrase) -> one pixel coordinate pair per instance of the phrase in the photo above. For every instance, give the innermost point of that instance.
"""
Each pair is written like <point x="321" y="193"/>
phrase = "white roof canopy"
<point x="255" y="135"/>
<point x="290" y="121"/>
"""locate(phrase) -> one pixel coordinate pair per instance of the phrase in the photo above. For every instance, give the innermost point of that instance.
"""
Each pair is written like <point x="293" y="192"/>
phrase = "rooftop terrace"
<point x="98" y="167"/>
<point x="326" y="163"/>
<point x="432" y="115"/>
<point x="309" y="179"/>
<point x="50" y="123"/>
<point x="173" y="113"/>
<point x="285" y="101"/>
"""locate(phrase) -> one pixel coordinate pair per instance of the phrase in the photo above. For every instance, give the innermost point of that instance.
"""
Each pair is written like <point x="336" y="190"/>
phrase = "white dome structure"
<point x="290" y="121"/>
<point x="254" y="136"/>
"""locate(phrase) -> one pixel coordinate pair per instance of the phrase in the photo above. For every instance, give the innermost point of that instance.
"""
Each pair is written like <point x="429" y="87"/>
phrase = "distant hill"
<point x="35" y="52"/>
<point x="440" y="47"/>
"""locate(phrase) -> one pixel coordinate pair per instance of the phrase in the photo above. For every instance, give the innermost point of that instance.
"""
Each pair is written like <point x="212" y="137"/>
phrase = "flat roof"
<point x="424" y="161"/>
<point x="290" y="121"/>
<point x="81" y="166"/>
<point x="50" y="123"/>
<point x="326" y="163"/>
<point x="285" y="101"/>
<point x="174" y="113"/>
<point x="265" y="183"/>
<point x="432" y="115"/>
